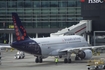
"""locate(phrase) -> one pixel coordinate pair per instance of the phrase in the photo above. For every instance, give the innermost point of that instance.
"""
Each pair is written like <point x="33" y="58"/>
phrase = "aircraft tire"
<point x="88" y="68"/>
<point x="19" y="57"/>
<point x="40" y="60"/>
<point x="23" y="57"/>
<point x="96" y="68"/>
<point x="65" y="60"/>
<point x="36" y="60"/>
<point x="69" y="60"/>
<point x="104" y="67"/>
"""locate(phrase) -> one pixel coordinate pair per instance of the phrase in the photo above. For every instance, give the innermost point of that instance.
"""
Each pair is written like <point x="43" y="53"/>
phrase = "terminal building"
<point x="94" y="10"/>
<point x="39" y="17"/>
<point x="43" y="18"/>
<point x="92" y="24"/>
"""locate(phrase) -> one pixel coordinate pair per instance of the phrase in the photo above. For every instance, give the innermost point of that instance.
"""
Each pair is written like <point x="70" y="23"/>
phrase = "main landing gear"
<point x="67" y="59"/>
<point x="38" y="59"/>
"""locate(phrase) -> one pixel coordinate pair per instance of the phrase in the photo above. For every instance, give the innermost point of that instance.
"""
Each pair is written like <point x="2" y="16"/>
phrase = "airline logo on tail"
<point x="19" y="29"/>
<point x="23" y="42"/>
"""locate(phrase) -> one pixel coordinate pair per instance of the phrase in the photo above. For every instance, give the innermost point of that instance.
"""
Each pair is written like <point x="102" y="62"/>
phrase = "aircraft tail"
<point x="20" y="31"/>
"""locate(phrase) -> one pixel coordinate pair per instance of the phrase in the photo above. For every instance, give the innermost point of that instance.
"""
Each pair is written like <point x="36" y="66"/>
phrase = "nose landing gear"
<point x="38" y="59"/>
<point x="67" y="60"/>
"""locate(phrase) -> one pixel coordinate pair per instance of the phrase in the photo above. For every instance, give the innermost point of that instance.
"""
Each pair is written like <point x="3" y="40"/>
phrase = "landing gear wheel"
<point x="40" y="60"/>
<point x="65" y="60"/>
<point x="23" y="57"/>
<point x="69" y="60"/>
<point x="96" y="68"/>
<point x="88" y="68"/>
<point x="36" y="60"/>
<point x="19" y="57"/>
<point x="104" y="67"/>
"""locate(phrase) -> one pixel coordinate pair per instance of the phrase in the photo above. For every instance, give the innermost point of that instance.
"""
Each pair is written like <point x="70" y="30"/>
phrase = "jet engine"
<point x="85" y="54"/>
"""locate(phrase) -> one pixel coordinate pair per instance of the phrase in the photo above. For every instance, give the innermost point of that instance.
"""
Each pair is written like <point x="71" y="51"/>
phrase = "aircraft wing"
<point x="5" y="46"/>
<point x="81" y="48"/>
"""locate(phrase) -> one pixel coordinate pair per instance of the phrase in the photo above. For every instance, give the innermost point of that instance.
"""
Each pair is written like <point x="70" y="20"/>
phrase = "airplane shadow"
<point x="49" y="63"/>
<point x="44" y="64"/>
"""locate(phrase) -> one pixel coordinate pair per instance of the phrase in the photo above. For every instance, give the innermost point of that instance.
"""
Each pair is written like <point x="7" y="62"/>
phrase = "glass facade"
<point x="41" y="13"/>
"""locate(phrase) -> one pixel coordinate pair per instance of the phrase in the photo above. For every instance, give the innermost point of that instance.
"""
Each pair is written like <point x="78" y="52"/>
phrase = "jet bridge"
<point x="78" y="29"/>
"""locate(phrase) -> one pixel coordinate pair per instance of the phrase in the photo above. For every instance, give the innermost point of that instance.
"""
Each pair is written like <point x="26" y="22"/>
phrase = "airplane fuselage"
<point x="49" y="46"/>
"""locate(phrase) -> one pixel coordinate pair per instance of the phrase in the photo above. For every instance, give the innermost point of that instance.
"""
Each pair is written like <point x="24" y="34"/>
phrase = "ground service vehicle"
<point x="0" y="56"/>
<point x="0" y="53"/>
<point x="96" y="64"/>
<point x="19" y="55"/>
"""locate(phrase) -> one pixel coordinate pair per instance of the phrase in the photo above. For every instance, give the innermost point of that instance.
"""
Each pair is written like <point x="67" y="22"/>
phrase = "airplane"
<point x="50" y="46"/>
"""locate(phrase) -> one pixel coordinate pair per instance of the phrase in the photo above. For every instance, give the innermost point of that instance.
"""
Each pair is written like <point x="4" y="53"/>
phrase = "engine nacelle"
<point x="85" y="54"/>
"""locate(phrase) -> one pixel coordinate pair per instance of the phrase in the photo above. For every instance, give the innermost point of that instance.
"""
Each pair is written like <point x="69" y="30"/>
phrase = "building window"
<point x="59" y="4"/>
<point x="62" y="10"/>
<point x="46" y="24"/>
<point x="37" y="4"/>
<point x="29" y="25"/>
<point x="27" y="4"/>
<point x="64" y="4"/>
<point x="45" y="11"/>
<point x="78" y="4"/>
<point x="12" y="4"/>
<point x="45" y="19"/>
<point x="3" y="4"/>
<point x="2" y="11"/>
<point x="45" y="4"/>
<point x="79" y="18"/>
<point x="54" y="10"/>
<point x="20" y="11"/>
<point x="71" y="19"/>
<point x="10" y="11"/>
<point x="71" y="3"/>
<point x="62" y="24"/>
<point x="20" y="4"/>
<point x="54" y="25"/>
<point x="54" y="4"/>
<point x="71" y="23"/>
<point x="28" y="11"/>
<point x="39" y="24"/>
<point x="72" y="12"/>
<point x="37" y="11"/>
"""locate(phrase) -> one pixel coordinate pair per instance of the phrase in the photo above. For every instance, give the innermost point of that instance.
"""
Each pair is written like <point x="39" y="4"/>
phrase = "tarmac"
<point x="28" y="63"/>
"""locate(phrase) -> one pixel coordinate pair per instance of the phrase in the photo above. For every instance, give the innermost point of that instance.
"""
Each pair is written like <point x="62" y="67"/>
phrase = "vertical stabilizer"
<point x="20" y="31"/>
